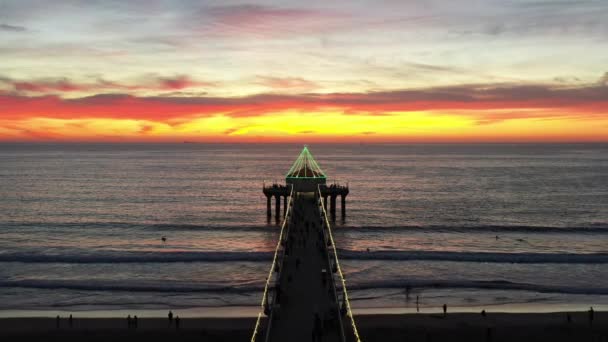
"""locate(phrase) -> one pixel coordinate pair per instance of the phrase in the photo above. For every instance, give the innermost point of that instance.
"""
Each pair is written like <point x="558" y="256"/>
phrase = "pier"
<point x="306" y="175"/>
<point x="330" y="193"/>
<point x="305" y="296"/>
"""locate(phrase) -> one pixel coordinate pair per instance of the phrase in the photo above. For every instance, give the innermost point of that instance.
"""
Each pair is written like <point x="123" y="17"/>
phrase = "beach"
<point x="536" y="327"/>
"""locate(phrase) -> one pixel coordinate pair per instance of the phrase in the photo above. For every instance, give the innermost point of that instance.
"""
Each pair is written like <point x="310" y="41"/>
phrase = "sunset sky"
<point x="234" y="71"/>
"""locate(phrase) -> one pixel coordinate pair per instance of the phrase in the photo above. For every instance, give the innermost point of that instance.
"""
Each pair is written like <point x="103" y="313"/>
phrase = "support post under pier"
<point x="284" y="205"/>
<point x="332" y="206"/>
<point x="277" y="207"/>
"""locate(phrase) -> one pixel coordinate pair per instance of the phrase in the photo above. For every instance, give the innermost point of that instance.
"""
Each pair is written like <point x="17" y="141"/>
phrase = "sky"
<point x="293" y="71"/>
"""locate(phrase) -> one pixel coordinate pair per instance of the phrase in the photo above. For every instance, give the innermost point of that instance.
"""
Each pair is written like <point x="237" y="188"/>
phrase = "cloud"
<point x="230" y="131"/>
<point x="268" y="21"/>
<point x="603" y="81"/>
<point x="486" y="103"/>
<point x="179" y="82"/>
<point x="12" y="28"/>
<point x="287" y="83"/>
<point x="145" y="129"/>
<point x="65" y="85"/>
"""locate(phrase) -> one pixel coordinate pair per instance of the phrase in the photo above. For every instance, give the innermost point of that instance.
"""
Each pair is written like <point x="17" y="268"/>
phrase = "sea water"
<point x="493" y="226"/>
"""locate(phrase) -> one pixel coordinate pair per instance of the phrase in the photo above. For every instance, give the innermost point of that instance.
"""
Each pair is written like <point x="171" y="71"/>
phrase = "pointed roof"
<point x="305" y="166"/>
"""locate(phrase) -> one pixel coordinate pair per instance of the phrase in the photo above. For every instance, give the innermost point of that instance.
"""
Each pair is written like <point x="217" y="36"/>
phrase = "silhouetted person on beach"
<point x="483" y="313"/>
<point x="445" y="310"/>
<point x="129" y="322"/>
<point x="71" y="321"/>
<point x="591" y="316"/>
<point x="417" y="304"/>
<point x="170" y="316"/>
<point x="177" y="323"/>
<point x="135" y="321"/>
<point x="568" y="318"/>
<point x="407" y="292"/>
<point x="57" y="322"/>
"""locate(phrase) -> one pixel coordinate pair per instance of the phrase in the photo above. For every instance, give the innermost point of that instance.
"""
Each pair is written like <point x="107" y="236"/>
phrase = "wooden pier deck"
<point x="306" y="302"/>
<point x="305" y="296"/>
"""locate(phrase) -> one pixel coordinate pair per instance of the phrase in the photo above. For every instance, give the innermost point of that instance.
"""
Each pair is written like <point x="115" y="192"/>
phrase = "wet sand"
<point x="535" y="327"/>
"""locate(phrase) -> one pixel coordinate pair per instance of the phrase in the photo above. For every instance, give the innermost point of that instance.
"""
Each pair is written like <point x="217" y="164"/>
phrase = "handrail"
<point x="272" y="267"/>
<point x="333" y="283"/>
<point x="345" y="293"/>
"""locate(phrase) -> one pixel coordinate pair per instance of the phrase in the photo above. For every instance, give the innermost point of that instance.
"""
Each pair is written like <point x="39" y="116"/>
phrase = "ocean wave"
<point x="476" y="284"/>
<point x="459" y="228"/>
<point x="126" y="286"/>
<point x="352" y="286"/>
<point x="494" y="257"/>
<point x="215" y="256"/>
<point x="135" y="257"/>
<point x="138" y="226"/>
<point x="600" y="228"/>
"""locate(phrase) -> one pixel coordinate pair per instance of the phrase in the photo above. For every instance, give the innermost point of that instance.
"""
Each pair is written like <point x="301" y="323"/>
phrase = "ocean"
<point x="497" y="226"/>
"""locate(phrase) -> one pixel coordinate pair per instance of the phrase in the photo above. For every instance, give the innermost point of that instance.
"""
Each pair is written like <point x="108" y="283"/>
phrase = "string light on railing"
<point x="345" y="293"/>
<point x="272" y="268"/>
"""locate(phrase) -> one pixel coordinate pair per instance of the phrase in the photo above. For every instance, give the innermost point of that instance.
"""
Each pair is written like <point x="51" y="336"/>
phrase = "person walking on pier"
<point x="317" y="328"/>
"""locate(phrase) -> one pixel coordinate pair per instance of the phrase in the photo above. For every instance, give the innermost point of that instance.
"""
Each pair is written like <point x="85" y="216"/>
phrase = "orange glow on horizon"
<point x="341" y="118"/>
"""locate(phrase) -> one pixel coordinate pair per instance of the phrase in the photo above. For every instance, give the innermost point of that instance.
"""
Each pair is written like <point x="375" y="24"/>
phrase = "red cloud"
<point x="487" y="103"/>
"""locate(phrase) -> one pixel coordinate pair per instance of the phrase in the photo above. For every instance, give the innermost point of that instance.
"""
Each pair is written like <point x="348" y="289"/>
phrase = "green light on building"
<point x="305" y="174"/>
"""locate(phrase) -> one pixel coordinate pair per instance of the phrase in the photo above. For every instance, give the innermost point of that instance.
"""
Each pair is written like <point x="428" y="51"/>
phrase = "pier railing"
<point x="265" y="307"/>
<point x="346" y="301"/>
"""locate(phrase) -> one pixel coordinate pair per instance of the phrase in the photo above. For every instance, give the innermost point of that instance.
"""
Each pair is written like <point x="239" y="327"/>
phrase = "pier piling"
<point x="268" y="209"/>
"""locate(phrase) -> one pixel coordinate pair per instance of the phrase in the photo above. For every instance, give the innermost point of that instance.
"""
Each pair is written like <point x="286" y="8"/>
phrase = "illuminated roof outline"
<point x="305" y="166"/>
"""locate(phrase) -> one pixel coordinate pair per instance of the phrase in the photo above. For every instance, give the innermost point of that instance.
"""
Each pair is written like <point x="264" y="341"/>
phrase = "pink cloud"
<point x="282" y="83"/>
<point x="260" y="20"/>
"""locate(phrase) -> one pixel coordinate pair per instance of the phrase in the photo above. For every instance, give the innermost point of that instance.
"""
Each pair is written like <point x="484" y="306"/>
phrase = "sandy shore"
<point x="535" y="327"/>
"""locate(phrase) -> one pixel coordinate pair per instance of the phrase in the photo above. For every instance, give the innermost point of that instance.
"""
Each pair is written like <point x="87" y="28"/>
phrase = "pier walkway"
<point x="305" y="296"/>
